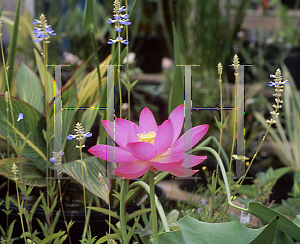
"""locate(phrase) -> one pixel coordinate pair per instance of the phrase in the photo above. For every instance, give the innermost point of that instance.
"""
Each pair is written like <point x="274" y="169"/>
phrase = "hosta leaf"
<point x="91" y="169"/>
<point x="33" y="123"/>
<point x="31" y="173"/>
<point x="29" y="88"/>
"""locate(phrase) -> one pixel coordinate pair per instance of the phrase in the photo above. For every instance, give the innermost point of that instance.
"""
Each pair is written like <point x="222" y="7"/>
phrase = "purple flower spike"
<point x="125" y="16"/>
<point x="89" y="134"/>
<point x="118" y="29"/>
<point x="43" y="32"/>
<point x="125" y="42"/>
<point x="52" y="160"/>
<point x="117" y="17"/>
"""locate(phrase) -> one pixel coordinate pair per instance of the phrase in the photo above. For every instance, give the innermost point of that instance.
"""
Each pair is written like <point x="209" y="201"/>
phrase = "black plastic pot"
<point x="97" y="221"/>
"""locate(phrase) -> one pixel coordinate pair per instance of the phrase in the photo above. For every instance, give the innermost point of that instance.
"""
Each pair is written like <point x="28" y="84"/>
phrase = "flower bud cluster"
<point x="43" y="32"/>
<point x="278" y="84"/>
<point x="120" y="20"/>
<point x="14" y="169"/>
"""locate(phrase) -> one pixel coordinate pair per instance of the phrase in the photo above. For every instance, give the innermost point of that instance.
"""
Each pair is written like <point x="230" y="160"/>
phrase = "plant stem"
<point x="219" y="151"/>
<point x="127" y="64"/>
<point x="119" y="75"/>
<point x="159" y="207"/>
<point x="122" y="210"/>
<point x="211" y="150"/>
<point x="46" y="114"/>
<point x="62" y="206"/>
<point x="20" y="213"/>
<point x="83" y="185"/>
<point x="152" y="204"/>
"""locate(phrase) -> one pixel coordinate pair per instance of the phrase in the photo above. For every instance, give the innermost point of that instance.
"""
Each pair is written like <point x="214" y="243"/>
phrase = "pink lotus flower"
<point x="151" y="147"/>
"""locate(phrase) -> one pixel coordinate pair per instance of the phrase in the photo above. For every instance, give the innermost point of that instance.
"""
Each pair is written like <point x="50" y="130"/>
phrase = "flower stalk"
<point x="79" y="136"/>
<point x="42" y="33"/>
<point x="278" y="83"/>
<point x="152" y="204"/>
<point x="123" y="211"/>
<point x="14" y="169"/>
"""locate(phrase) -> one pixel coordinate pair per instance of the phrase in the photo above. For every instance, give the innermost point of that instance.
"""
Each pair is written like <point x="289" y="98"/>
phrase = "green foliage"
<point x="29" y="88"/>
<point x="266" y="214"/>
<point x="193" y="231"/>
<point x="92" y="168"/>
<point x="90" y="16"/>
<point x="13" y="46"/>
<point x="176" y="95"/>
<point x="33" y="123"/>
<point x="285" y="138"/>
<point x="263" y="184"/>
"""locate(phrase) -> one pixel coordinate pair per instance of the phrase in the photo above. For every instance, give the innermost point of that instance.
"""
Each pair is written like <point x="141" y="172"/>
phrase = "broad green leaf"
<point x="68" y="92"/>
<point x="90" y="16"/>
<point x="176" y="95"/>
<point x="29" y="88"/>
<point x="88" y="87"/>
<point x="50" y="80"/>
<point x="266" y="214"/>
<point x="13" y="45"/>
<point x="4" y="170"/>
<point x="91" y="169"/>
<point x="278" y="173"/>
<point x="89" y="116"/>
<point x="33" y="123"/>
<point x="32" y="175"/>
<point x="297" y="220"/>
<point x="67" y="118"/>
<point x="193" y="231"/>
<point x="281" y="238"/>
<point x="268" y="234"/>
<point x="173" y="216"/>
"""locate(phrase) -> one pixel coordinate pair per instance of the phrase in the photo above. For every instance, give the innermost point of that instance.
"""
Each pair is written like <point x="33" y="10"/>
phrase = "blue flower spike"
<point x="120" y="20"/>
<point x="278" y="84"/>
<point x="43" y="31"/>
